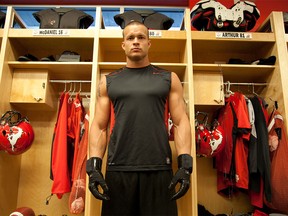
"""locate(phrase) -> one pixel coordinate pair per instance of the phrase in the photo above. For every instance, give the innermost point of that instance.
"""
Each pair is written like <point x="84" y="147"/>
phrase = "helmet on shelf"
<point x="16" y="133"/>
<point x="211" y="15"/>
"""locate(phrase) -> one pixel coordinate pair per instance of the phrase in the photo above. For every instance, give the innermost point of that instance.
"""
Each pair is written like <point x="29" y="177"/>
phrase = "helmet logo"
<point x="214" y="143"/>
<point x="14" y="136"/>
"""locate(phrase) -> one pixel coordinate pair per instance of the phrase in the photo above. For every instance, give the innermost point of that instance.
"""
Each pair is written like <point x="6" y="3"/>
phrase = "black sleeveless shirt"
<point x="139" y="140"/>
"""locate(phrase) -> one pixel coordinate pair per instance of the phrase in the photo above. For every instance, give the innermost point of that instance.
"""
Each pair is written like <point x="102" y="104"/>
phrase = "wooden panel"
<point x="208" y="89"/>
<point x="207" y="192"/>
<point x="31" y="87"/>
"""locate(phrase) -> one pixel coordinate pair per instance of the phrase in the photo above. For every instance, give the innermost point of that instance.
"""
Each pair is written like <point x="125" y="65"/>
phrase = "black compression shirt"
<point x="139" y="139"/>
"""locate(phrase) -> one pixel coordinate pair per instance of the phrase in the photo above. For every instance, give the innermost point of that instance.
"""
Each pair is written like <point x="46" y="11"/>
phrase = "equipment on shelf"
<point x="69" y="56"/>
<point x="210" y="15"/>
<point x="150" y="18"/>
<point x="63" y="18"/>
<point x="261" y="61"/>
<point x="30" y="57"/>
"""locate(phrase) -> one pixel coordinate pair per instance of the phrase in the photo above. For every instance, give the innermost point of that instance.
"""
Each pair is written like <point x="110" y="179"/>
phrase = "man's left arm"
<point x="182" y="137"/>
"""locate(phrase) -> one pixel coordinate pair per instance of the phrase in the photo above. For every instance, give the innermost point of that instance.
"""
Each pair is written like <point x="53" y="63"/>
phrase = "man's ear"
<point x="149" y="43"/>
<point x="123" y="45"/>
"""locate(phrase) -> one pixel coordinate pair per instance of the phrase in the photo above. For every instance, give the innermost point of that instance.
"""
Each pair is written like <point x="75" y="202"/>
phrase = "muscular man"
<point x="139" y="178"/>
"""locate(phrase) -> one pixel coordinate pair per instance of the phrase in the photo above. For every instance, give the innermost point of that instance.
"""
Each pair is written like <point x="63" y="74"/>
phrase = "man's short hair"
<point x="135" y="22"/>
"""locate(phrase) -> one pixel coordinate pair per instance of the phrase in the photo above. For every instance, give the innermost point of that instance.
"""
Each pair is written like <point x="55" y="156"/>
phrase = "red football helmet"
<point x="209" y="142"/>
<point x="16" y="133"/>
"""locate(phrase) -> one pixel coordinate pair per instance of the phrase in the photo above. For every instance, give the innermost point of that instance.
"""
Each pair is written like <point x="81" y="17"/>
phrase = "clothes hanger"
<point x="253" y="91"/>
<point x="228" y="91"/>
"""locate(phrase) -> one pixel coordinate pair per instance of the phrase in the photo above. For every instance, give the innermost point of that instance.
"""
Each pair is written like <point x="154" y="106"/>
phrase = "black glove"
<point x="182" y="176"/>
<point x="93" y="169"/>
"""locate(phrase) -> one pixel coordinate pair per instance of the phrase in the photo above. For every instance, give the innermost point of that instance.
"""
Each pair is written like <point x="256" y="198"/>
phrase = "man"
<point x="139" y="178"/>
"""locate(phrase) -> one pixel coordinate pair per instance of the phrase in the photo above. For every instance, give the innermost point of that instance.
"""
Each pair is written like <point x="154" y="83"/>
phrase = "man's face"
<point x="136" y="42"/>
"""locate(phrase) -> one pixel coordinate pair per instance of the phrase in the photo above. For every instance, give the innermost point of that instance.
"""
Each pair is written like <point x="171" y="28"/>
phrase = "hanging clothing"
<point x="232" y="170"/>
<point x="242" y="140"/>
<point x="75" y="121"/>
<point x="279" y="165"/>
<point x="225" y="167"/>
<point x="61" y="99"/>
<point x="263" y="161"/>
<point x="77" y="195"/>
<point x="256" y="185"/>
<point x="60" y="171"/>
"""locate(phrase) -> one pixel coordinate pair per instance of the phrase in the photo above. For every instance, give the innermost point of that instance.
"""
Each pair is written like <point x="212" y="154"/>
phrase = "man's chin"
<point x="136" y="58"/>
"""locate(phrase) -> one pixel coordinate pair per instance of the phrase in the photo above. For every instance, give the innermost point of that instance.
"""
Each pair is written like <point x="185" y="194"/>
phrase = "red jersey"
<point x="231" y="163"/>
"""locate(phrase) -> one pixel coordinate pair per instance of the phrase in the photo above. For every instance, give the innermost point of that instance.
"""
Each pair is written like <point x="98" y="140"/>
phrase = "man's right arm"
<point x="98" y="128"/>
<point x="98" y="143"/>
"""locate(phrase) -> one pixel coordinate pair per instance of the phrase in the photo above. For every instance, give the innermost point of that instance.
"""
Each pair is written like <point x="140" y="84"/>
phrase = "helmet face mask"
<point x="16" y="133"/>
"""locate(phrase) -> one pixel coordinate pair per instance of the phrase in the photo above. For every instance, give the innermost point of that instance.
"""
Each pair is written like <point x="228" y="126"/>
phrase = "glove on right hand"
<point x="93" y="169"/>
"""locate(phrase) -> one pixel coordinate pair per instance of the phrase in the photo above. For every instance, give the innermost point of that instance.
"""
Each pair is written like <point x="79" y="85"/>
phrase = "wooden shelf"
<point x="58" y="70"/>
<point x="238" y="73"/>
<point x="47" y="44"/>
<point x="206" y="48"/>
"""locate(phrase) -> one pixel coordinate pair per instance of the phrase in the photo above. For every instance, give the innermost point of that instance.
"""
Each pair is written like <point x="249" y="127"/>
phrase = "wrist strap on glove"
<point x="93" y="163"/>
<point x="185" y="162"/>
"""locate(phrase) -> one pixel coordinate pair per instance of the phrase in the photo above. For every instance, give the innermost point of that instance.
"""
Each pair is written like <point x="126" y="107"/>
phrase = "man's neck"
<point x="137" y="64"/>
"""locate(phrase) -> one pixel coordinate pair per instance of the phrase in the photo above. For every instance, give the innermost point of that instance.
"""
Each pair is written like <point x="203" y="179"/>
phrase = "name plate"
<point x="236" y="35"/>
<point x="153" y="33"/>
<point x="51" y="32"/>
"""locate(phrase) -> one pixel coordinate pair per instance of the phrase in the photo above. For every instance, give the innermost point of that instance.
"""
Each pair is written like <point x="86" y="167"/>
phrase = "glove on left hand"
<point x="182" y="176"/>
<point x="93" y="169"/>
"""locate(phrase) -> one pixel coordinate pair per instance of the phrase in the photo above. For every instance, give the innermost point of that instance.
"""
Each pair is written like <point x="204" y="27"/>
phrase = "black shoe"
<point x="268" y="61"/>
<point x="27" y="57"/>
<point x="48" y="58"/>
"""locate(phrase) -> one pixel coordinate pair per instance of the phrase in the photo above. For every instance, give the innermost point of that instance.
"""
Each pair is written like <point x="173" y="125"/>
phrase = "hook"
<point x="275" y="103"/>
